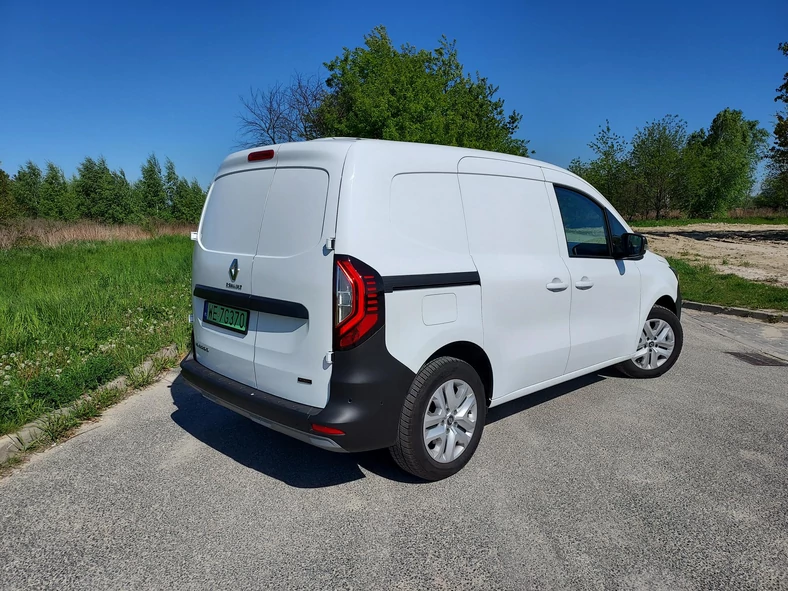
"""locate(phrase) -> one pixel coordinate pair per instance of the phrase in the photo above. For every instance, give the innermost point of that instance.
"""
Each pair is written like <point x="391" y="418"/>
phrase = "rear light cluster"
<point x="358" y="303"/>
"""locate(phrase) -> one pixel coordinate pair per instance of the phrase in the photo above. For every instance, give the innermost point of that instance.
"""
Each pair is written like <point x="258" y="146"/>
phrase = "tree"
<point x="281" y="113"/>
<point x="189" y="201"/>
<point x="27" y="188"/>
<point x="94" y="188"/>
<point x="609" y="172"/>
<point x="170" y="182"/>
<point x="656" y="156"/>
<point x="126" y="208"/>
<point x="151" y="191"/>
<point x="57" y="199"/>
<point x="774" y="192"/>
<point x="720" y="164"/>
<point x="8" y="206"/>
<point x="377" y="91"/>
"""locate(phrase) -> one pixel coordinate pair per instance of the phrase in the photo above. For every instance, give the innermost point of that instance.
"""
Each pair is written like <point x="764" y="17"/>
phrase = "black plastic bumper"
<point x="367" y="390"/>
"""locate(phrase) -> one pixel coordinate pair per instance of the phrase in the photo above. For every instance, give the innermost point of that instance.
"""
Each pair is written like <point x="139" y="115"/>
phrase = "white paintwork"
<point x="292" y="264"/>
<point x="605" y="309"/>
<point x="514" y="247"/>
<point x="221" y="238"/>
<point x="412" y="341"/>
<point x="439" y="309"/>
<point x="540" y="315"/>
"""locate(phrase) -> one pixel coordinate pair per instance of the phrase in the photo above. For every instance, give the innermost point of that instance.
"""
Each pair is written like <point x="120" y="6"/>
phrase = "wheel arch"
<point x="473" y="355"/>
<point x="667" y="302"/>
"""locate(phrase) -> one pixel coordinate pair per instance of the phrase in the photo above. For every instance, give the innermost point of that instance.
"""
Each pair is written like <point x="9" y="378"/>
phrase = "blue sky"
<point x="126" y="79"/>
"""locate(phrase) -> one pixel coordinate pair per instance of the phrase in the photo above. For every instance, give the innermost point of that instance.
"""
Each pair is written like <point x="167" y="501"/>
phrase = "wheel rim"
<point x="656" y="344"/>
<point x="450" y="421"/>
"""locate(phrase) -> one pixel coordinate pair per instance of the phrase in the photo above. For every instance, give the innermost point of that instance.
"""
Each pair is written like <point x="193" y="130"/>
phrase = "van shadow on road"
<point x="301" y="465"/>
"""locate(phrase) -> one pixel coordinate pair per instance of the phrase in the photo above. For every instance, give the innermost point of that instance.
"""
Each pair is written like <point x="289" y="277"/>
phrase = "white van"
<point x="364" y="294"/>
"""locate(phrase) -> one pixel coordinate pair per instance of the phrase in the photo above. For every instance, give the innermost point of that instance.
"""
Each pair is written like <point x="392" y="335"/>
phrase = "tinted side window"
<point x="584" y="224"/>
<point x="616" y="230"/>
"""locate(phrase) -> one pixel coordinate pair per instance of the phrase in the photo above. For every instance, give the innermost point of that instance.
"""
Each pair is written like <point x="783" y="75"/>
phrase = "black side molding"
<point x="403" y="282"/>
<point x="252" y="302"/>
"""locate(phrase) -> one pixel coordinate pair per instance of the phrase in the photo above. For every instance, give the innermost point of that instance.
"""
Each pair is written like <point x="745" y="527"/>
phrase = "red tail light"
<point x="358" y="303"/>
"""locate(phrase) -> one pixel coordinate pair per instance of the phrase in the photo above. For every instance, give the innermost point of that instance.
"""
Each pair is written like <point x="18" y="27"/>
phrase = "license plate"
<point x="226" y="317"/>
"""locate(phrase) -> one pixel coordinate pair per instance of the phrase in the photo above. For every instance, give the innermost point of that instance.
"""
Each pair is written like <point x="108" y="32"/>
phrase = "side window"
<point x="616" y="230"/>
<point x="584" y="224"/>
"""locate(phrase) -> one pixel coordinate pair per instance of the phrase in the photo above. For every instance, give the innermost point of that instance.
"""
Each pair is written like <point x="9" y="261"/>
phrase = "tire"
<point x="644" y="366"/>
<point x="440" y="389"/>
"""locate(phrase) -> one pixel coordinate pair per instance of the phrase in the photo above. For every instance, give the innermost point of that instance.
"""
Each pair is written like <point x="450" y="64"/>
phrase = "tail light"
<point x="358" y="303"/>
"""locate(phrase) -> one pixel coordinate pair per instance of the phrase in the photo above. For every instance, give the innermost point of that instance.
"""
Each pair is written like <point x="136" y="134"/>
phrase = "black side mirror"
<point x="633" y="246"/>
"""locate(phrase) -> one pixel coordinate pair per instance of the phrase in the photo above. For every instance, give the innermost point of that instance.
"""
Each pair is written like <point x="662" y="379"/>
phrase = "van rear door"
<point x="293" y="273"/>
<point x="225" y="324"/>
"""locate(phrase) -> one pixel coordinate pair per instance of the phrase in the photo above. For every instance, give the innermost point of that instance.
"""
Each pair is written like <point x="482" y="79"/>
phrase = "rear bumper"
<point x="368" y="387"/>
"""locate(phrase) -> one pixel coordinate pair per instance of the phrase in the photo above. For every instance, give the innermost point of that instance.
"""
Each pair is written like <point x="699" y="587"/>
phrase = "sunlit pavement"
<point x="675" y="483"/>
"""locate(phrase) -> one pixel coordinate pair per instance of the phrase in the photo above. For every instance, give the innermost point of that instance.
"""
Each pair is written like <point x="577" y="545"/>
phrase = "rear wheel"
<point x="441" y="421"/>
<point x="659" y="346"/>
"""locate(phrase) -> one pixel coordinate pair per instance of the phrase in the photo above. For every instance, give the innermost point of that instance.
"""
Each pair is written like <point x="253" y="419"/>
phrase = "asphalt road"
<point x="675" y="483"/>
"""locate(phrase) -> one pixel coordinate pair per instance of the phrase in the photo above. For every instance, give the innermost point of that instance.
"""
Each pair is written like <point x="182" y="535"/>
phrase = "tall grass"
<point x="37" y="232"/>
<point x="78" y="315"/>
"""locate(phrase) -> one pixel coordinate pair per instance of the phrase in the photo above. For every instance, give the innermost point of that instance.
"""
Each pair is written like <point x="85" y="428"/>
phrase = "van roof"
<point x="452" y="154"/>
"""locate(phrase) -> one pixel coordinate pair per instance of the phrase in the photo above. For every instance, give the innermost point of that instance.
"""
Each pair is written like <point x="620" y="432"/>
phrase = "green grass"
<point x="688" y="221"/>
<point x="76" y="316"/>
<point x="701" y="283"/>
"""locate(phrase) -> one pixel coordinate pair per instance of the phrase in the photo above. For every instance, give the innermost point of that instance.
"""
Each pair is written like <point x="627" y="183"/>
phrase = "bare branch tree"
<point x="282" y="113"/>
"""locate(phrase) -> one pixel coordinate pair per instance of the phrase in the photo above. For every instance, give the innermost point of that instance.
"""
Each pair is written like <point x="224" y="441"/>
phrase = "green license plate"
<point x="226" y="317"/>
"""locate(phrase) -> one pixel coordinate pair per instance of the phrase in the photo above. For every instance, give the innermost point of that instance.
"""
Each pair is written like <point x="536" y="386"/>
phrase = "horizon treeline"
<point x="98" y="193"/>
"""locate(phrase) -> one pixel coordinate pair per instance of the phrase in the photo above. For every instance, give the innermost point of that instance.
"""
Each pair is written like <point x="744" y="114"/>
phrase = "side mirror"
<point x="633" y="246"/>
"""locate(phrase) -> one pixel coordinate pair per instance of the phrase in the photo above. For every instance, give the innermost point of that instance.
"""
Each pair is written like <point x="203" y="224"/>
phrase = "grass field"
<point x="701" y="283"/>
<point x="78" y="315"/>
<point x="686" y="221"/>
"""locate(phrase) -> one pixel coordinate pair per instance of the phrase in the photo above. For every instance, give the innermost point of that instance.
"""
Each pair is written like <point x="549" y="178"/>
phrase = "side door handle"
<point x="556" y="285"/>
<point x="584" y="283"/>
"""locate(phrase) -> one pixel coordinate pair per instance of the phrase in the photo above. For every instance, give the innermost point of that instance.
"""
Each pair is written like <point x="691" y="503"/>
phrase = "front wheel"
<point x="441" y="421"/>
<point x="659" y="346"/>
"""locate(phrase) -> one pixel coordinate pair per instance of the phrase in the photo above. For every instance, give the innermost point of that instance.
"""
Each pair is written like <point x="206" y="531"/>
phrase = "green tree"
<point x="656" y="158"/>
<point x="94" y="189"/>
<point x="27" y="188"/>
<point x="126" y="209"/>
<point x="410" y="94"/>
<point x="190" y="198"/>
<point x="610" y="171"/>
<point x="171" y="181"/>
<point x="719" y="165"/>
<point x="8" y="206"/>
<point x="55" y="201"/>
<point x="151" y="191"/>
<point x="774" y="192"/>
<point x="736" y="145"/>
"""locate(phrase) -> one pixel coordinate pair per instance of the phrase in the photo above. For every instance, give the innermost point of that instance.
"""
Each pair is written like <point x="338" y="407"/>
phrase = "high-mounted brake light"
<point x="358" y="303"/>
<point x="260" y="155"/>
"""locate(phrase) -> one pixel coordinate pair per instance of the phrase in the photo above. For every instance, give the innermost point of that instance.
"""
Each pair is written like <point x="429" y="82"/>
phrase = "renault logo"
<point x="234" y="270"/>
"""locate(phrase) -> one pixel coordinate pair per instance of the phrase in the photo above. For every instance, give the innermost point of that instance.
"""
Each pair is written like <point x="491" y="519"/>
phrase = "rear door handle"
<point x="556" y="285"/>
<point x="584" y="283"/>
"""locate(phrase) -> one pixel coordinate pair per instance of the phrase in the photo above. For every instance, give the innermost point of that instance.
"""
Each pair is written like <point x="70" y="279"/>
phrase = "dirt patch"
<point x="755" y="252"/>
